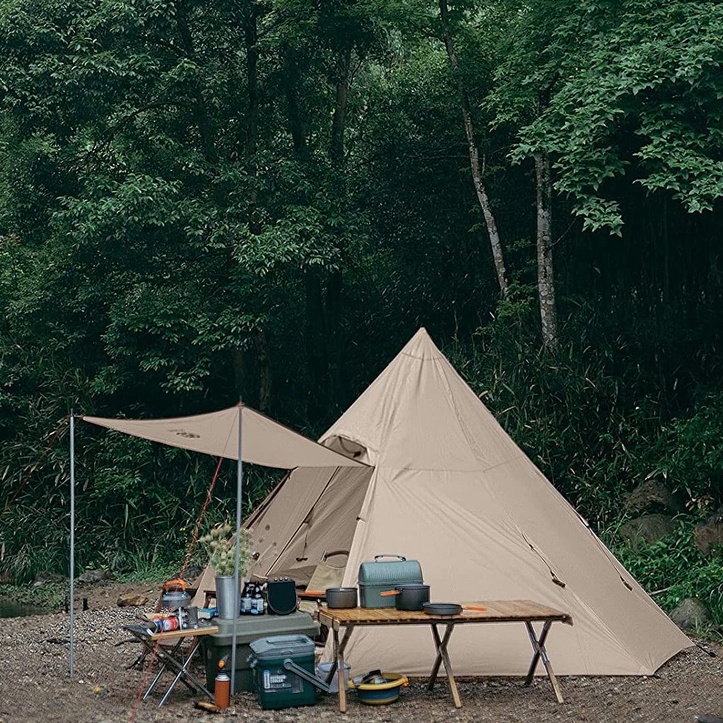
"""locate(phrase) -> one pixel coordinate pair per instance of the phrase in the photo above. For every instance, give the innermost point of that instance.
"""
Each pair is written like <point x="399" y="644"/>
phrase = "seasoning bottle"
<point x="246" y="598"/>
<point x="257" y="604"/>
<point x="222" y="686"/>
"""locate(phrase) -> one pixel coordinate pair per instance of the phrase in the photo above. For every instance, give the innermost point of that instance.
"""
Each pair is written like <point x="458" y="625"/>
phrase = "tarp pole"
<point x="237" y="563"/>
<point x="72" y="542"/>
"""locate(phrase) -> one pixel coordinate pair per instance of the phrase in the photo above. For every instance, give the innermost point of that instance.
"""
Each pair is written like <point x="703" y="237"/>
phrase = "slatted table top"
<point x="498" y="611"/>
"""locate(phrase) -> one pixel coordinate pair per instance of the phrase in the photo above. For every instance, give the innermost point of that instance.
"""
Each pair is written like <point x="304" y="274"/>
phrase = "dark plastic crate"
<point x="274" y="685"/>
<point x="218" y="646"/>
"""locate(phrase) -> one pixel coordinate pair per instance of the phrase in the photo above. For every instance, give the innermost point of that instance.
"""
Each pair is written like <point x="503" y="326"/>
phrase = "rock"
<point x="709" y="534"/>
<point x="649" y="528"/>
<point x="45" y="577"/>
<point x="131" y="599"/>
<point x="6" y="578"/>
<point x="691" y="614"/>
<point x="191" y="572"/>
<point x="93" y="576"/>
<point x="652" y="496"/>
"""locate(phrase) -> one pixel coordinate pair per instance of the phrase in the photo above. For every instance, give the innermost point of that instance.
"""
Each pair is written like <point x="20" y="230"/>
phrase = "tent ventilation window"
<point x="347" y="447"/>
<point x="554" y="577"/>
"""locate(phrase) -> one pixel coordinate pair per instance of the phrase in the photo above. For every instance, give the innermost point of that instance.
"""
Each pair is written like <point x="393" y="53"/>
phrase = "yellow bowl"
<point x="380" y="693"/>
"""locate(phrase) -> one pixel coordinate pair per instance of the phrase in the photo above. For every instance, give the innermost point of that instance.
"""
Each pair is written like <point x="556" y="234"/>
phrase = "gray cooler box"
<point x="249" y="628"/>
<point x="382" y="575"/>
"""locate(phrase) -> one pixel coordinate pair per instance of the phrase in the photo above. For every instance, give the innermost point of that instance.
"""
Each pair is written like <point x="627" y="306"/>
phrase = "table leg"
<point x="438" y="644"/>
<point x="443" y="657"/>
<point x="163" y="658"/>
<point x="185" y="675"/>
<point x="335" y="662"/>
<point x="540" y="653"/>
<point x="339" y="663"/>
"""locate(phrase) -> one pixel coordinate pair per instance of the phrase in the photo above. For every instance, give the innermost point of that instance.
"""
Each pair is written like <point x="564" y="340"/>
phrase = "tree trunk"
<point x="250" y="16"/>
<point x="323" y="290"/>
<point x="198" y="107"/>
<point x="316" y="357"/>
<point x="297" y="124"/>
<point x="248" y="20"/>
<point x="335" y="281"/>
<point x="262" y="349"/>
<point x="315" y="312"/>
<point x="338" y="123"/>
<point x="479" y="187"/>
<point x="545" y="277"/>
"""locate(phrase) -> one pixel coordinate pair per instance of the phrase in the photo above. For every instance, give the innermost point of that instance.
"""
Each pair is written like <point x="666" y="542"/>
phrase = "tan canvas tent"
<point x="447" y="486"/>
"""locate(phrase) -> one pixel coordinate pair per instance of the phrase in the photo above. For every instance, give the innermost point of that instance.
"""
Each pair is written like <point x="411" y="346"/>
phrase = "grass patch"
<point x="674" y="569"/>
<point x="51" y="595"/>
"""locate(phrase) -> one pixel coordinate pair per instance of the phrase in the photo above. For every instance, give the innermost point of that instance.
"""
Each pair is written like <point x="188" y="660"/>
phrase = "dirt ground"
<point x="36" y="685"/>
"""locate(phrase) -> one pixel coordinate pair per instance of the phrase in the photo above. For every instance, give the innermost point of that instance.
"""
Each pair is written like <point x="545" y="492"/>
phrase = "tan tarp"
<point x="263" y="441"/>
<point x="450" y="488"/>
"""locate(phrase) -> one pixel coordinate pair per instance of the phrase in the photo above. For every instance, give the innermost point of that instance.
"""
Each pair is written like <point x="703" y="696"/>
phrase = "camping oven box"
<point x="382" y="575"/>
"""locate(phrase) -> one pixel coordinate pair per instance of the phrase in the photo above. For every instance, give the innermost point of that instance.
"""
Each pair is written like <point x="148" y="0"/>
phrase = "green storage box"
<point x="276" y="686"/>
<point x="248" y="628"/>
<point x="382" y="575"/>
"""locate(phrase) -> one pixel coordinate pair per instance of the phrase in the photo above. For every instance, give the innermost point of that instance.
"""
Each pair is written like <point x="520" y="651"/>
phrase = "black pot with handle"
<point x="410" y="596"/>
<point x="341" y="597"/>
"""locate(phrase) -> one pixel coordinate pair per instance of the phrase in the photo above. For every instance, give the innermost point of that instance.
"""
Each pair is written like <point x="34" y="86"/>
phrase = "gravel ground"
<point x="36" y="685"/>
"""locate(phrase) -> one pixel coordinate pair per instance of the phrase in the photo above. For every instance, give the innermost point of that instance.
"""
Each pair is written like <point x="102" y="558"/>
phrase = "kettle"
<point x="175" y="595"/>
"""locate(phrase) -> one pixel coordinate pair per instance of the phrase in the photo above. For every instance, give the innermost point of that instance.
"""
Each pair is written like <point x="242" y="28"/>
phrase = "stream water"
<point x="10" y="609"/>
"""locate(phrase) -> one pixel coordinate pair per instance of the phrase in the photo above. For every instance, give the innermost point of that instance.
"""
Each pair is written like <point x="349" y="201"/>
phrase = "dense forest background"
<point x="207" y="200"/>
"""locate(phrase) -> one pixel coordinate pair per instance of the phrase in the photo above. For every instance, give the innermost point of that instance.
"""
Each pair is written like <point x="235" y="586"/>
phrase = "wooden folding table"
<point x="496" y="611"/>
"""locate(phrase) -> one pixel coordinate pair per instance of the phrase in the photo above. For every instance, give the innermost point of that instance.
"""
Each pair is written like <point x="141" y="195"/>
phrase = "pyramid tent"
<point x="448" y="487"/>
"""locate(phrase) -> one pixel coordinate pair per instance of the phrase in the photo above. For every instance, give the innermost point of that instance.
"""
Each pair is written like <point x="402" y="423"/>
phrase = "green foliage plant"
<point x="50" y="596"/>
<point x="673" y="569"/>
<point x="639" y="97"/>
<point x="689" y="455"/>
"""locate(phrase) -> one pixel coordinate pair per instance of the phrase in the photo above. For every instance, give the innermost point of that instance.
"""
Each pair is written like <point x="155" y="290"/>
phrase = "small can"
<point x="155" y="626"/>
<point x="169" y="624"/>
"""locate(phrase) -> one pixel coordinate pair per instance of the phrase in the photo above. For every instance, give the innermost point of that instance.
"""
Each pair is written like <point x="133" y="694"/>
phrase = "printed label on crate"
<point x="277" y="680"/>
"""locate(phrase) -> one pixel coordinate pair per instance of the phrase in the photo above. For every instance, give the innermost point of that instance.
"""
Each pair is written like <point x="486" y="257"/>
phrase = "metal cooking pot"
<point x="341" y="597"/>
<point x="410" y="596"/>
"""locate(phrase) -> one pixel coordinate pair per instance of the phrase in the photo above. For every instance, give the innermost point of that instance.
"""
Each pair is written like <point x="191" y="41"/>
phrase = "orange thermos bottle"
<point x="222" y="686"/>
